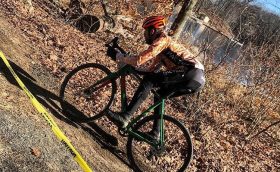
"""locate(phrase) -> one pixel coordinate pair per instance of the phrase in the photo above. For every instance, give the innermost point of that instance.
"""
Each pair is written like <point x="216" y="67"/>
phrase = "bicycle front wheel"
<point x="175" y="155"/>
<point x="83" y="97"/>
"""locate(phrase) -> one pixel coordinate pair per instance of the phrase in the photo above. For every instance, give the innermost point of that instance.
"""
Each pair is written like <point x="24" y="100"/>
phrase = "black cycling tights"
<point x="171" y="84"/>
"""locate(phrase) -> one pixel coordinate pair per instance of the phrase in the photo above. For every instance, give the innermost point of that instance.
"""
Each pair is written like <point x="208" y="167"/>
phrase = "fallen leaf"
<point x="36" y="152"/>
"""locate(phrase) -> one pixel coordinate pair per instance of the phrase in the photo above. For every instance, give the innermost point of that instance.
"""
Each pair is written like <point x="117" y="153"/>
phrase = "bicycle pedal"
<point x="123" y="132"/>
<point x="86" y="94"/>
<point x="150" y="156"/>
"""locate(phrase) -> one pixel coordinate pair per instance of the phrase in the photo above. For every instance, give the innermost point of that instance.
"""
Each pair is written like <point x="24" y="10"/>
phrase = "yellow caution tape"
<point x="77" y="157"/>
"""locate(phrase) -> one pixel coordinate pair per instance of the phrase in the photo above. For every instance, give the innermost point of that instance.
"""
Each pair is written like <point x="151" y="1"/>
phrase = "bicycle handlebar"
<point x="112" y="45"/>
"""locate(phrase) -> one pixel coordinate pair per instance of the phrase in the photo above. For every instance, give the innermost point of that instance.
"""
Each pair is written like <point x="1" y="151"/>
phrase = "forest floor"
<point x="43" y="48"/>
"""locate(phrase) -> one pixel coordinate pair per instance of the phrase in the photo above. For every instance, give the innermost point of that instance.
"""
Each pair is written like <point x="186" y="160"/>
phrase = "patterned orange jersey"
<point x="155" y="55"/>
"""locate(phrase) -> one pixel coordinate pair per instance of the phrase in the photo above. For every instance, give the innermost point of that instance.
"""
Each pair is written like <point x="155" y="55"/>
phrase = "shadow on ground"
<point x="47" y="99"/>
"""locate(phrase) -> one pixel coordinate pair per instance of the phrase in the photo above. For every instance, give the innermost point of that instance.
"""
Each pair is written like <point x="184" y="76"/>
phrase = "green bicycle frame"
<point x="140" y="136"/>
<point x="143" y="136"/>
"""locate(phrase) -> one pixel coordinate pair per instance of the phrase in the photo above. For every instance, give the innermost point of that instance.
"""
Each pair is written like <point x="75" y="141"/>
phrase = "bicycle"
<point x="93" y="99"/>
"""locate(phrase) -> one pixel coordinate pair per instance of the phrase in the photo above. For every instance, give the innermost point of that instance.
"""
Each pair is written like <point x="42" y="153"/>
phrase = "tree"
<point x="179" y="23"/>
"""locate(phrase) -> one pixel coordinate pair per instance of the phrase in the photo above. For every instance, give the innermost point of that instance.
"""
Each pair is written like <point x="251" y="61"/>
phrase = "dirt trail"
<point x="26" y="141"/>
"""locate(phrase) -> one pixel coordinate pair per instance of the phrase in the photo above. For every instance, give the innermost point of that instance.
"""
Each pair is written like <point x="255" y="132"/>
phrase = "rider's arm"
<point x="157" y="47"/>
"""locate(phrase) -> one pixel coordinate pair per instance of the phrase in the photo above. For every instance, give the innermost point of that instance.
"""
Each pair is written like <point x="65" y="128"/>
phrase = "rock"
<point x="10" y="98"/>
<point x="53" y="57"/>
<point x="28" y="6"/>
<point x="36" y="152"/>
<point x="4" y="94"/>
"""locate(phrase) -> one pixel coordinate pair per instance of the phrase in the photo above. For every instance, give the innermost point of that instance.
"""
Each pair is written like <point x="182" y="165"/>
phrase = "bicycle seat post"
<point x="162" y="106"/>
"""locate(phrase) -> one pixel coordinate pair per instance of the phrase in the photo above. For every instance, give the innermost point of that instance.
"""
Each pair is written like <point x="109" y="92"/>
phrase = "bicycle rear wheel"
<point x="82" y="99"/>
<point x="174" y="156"/>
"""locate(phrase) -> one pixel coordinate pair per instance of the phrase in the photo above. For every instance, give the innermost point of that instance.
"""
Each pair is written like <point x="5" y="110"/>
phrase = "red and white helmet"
<point x="155" y="22"/>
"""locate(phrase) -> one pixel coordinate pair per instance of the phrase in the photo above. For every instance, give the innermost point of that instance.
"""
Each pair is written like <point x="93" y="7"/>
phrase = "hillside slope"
<point x="26" y="141"/>
<point x="44" y="47"/>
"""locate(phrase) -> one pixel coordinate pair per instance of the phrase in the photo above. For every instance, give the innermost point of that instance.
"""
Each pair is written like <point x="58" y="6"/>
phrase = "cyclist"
<point x="173" y="70"/>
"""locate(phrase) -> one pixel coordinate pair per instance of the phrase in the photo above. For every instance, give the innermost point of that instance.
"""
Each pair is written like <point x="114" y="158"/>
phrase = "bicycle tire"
<point x="189" y="148"/>
<point x="85" y="113"/>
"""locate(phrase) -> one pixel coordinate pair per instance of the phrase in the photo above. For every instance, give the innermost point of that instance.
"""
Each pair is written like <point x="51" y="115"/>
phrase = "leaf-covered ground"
<point x="48" y="47"/>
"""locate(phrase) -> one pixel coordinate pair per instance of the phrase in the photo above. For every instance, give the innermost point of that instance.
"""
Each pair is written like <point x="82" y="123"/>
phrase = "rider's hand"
<point x="119" y="55"/>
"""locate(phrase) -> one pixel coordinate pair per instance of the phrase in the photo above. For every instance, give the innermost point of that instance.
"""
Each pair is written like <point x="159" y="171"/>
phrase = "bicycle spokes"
<point x="172" y="154"/>
<point x="89" y="89"/>
<point x="93" y="88"/>
<point x="156" y="152"/>
<point x="146" y="137"/>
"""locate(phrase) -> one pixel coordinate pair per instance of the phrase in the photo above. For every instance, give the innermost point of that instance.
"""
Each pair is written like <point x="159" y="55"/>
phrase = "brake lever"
<point x="112" y="46"/>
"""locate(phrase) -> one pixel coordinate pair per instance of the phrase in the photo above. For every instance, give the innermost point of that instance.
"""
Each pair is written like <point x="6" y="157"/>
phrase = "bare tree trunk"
<point x="178" y="25"/>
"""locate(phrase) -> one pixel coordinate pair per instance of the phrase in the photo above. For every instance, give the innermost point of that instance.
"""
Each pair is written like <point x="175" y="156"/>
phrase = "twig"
<point x="262" y="131"/>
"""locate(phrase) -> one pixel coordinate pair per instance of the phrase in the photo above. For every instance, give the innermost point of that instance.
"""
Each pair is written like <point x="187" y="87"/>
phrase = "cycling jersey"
<point x="183" y="75"/>
<point x="166" y="51"/>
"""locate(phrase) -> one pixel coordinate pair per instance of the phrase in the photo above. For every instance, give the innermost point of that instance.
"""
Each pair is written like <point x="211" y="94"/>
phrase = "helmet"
<point x="154" y="21"/>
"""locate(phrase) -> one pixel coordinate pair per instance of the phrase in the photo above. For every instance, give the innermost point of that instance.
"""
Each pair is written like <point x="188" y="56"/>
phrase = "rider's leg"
<point x="140" y="95"/>
<point x="156" y="125"/>
<point x="177" y="85"/>
<point x="191" y="81"/>
<point x="192" y="85"/>
<point x="167" y="79"/>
